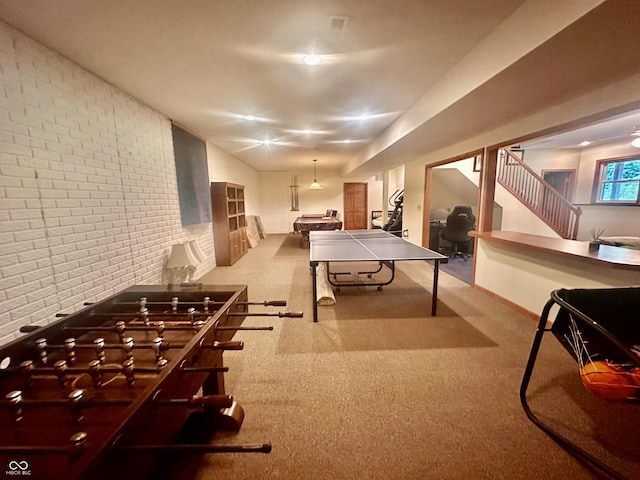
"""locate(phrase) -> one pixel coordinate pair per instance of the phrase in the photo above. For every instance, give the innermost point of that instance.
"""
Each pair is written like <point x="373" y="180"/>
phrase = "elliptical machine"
<point x="394" y="224"/>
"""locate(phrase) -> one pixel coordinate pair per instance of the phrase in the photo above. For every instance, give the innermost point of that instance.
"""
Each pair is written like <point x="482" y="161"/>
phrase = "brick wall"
<point x="89" y="201"/>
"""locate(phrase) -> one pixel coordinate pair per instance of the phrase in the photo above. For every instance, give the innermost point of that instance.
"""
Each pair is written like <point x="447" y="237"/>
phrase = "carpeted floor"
<point x="378" y="389"/>
<point x="461" y="268"/>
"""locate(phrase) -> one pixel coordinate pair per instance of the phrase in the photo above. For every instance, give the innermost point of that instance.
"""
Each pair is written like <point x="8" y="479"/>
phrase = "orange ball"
<point x="609" y="381"/>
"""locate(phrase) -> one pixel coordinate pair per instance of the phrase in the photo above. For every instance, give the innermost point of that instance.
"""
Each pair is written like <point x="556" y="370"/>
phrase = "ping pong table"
<point x="366" y="246"/>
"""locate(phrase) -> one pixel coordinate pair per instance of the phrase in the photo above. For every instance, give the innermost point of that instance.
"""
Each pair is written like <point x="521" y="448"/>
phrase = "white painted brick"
<point x="15" y="302"/>
<point x="12" y="127"/>
<point x="43" y="264"/>
<point x="8" y="159"/>
<point x="13" y="193"/>
<point x="28" y="141"/>
<point x="30" y="182"/>
<point x="18" y="269"/>
<point x="16" y="171"/>
<point x="41" y="158"/>
<point x="73" y="238"/>
<point x="87" y="141"/>
<point x="60" y="148"/>
<point x="7" y="260"/>
<point x="48" y="174"/>
<point x="33" y="254"/>
<point x="41" y="240"/>
<point x="12" y="148"/>
<point x="58" y="212"/>
<point x="24" y="214"/>
<point x="60" y="232"/>
<point x="14" y="226"/>
<point x="46" y="292"/>
<point x="79" y="196"/>
<point x="10" y="182"/>
<point x="22" y="289"/>
<point x="45" y="134"/>
<point x="20" y="313"/>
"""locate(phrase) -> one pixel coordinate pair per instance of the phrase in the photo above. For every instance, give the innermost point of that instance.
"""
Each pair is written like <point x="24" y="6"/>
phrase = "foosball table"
<point x="107" y="391"/>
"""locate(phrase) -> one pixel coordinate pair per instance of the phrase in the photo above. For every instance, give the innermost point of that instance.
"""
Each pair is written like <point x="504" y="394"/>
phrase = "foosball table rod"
<point x="158" y="345"/>
<point x="121" y="328"/>
<point x="77" y="402"/>
<point x="206" y="301"/>
<point x="78" y="442"/>
<point x="195" y="448"/>
<point x="95" y="369"/>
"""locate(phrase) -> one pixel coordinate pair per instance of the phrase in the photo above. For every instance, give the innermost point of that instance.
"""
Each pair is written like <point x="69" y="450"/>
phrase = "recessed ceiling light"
<point x="249" y="117"/>
<point x="346" y="141"/>
<point x="585" y="143"/>
<point x="312" y="59"/>
<point x="636" y="143"/>
<point x="363" y="116"/>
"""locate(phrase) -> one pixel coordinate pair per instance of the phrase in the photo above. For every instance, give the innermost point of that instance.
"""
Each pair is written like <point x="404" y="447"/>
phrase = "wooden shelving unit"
<point x="229" y="222"/>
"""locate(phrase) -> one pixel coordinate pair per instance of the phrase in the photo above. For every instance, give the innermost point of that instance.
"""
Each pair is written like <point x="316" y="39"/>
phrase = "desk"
<point x="367" y="246"/>
<point x="306" y="224"/>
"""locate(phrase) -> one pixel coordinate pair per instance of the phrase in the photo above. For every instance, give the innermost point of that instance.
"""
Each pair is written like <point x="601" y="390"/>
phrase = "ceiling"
<point x="613" y="130"/>
<point x="208" y="64"/>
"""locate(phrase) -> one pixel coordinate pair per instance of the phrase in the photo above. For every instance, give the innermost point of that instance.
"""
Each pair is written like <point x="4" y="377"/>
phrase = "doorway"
<point x="355" y="206"/>
<point x="450" y="184"/>
<point x="562" y="180"/>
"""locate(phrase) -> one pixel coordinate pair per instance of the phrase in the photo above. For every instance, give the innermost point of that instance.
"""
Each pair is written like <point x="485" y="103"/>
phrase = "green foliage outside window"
<point x="619" y="181"/>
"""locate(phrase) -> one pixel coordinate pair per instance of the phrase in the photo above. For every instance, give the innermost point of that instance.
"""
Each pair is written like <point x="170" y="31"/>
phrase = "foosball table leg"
<point x="231" y="418"/>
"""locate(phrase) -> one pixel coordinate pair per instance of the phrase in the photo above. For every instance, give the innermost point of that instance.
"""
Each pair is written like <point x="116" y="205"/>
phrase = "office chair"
<point x="459" y="222"/>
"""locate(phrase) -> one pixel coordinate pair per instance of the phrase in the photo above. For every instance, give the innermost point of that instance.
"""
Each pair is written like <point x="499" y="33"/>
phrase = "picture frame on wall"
<point x="190" y="154"/>
<point x="477" y="163"/>
<point x="518" y="152"/>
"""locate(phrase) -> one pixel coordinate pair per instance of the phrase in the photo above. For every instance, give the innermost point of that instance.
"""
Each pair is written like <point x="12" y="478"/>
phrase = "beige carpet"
<point x="379" y="389"/>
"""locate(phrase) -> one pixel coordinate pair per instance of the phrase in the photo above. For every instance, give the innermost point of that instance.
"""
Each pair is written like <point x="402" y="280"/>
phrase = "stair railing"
<point x="538" y="195"/>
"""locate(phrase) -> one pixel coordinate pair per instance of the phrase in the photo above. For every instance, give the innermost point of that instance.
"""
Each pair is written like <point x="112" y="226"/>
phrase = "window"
<point x="617" y="181"/>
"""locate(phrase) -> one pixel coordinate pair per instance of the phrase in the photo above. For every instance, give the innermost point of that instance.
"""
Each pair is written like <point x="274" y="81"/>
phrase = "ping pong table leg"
<point x="315" y="290"/>
<point x="434" y="296"/>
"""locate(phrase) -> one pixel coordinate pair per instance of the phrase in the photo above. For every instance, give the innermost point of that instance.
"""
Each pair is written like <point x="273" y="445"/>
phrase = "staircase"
<point x="540" y="197"/>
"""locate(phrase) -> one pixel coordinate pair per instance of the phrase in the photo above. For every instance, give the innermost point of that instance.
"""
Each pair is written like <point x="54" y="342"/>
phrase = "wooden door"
<point x="355" y="206"/>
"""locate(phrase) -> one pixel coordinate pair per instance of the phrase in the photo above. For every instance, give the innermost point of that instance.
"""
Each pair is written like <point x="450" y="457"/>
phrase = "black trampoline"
<point x="600" y="328"/>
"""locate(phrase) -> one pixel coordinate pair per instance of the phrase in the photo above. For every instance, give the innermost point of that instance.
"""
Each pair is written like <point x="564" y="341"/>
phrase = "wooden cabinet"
<point x="229" y="222"/>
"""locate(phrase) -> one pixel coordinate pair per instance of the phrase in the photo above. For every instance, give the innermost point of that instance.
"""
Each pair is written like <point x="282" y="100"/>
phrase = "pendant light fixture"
<point x="315" y="185"/>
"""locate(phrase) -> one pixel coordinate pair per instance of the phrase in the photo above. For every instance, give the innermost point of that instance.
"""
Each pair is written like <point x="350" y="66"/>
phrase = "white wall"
<point x="275" y="201"/>
<point x="450" y="185"/>
<point x="588" y="158"/>
<point x="316" y="201"/>
<point x="224" y="167"/>
<point x="376" y="191"/>
<point x="616" y="221"/>
<point x="516" y="217"/>
<point x="527" y="277"/>
<point x="382" y="187"/>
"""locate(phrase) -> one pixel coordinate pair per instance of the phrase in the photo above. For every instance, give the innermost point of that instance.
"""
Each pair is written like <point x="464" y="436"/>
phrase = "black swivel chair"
<point x="459" y="222"/>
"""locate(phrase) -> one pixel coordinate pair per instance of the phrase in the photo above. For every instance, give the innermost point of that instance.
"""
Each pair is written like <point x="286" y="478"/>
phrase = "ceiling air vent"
<point x="338" y="25"/>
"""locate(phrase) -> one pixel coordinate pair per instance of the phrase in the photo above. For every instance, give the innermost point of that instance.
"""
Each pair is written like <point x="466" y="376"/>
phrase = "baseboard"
<point x="528" y="313"/>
